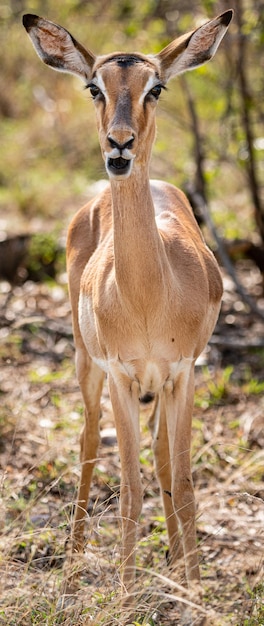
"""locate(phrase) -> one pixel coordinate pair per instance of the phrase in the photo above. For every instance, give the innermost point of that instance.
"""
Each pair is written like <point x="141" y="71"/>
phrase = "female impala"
<point x="145" y="289"/>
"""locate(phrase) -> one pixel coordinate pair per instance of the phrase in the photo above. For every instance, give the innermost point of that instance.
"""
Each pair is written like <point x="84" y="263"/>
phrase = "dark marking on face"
<point x="123" y="108"/>
<point x="125" y="60"/>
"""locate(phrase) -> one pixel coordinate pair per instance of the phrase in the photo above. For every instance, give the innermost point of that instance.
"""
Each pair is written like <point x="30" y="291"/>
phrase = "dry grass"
<point x="41" y="417"/>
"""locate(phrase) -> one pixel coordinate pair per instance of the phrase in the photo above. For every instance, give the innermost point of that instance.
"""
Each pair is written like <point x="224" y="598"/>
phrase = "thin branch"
<point x="246" y="99"/>
<point x="228" y="265"/>
<point x="197" y="196"/>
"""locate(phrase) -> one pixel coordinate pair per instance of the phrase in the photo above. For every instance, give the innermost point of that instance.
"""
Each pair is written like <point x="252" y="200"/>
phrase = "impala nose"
<point x="114" y="143"/>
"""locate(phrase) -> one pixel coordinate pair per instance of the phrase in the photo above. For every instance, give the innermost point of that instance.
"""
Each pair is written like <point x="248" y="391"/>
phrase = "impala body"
<point x="145" y="289"/>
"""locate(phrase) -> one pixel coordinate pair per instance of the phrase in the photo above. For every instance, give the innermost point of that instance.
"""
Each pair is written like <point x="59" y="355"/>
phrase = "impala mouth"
<point x="119" y="166"/>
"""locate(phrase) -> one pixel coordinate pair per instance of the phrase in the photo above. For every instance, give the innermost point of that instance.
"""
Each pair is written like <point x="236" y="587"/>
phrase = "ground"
<point x="40" y="422"/>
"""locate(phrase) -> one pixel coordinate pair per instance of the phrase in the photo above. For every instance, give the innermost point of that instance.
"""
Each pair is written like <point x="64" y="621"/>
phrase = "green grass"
<point x="214" y="389"/>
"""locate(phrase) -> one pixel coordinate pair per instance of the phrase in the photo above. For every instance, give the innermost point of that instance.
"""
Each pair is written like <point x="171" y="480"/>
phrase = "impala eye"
<point x="155" y="91"/>
<point x="94" y="90"/>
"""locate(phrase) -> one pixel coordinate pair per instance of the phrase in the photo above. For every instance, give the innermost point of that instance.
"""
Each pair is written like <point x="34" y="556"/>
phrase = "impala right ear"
<point x="56" y="47"/>
<point x="195" y="48"/>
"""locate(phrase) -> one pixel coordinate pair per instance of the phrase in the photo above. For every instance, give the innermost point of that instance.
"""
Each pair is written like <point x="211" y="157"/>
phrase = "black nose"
<point x="121" y="146"/>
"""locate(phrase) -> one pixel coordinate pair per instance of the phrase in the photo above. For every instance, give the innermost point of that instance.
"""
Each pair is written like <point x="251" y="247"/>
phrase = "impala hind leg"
<point x="158" y="427"/>
<point x="179" y="407"/>
<point x="90" y="379"/>
<point x="125" y="402"/>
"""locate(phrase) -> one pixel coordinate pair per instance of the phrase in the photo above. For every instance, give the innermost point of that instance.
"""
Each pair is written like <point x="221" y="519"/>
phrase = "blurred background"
<point x="210" y="142"/>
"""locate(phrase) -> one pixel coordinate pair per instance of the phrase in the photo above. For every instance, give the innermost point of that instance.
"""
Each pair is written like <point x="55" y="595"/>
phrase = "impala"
<point x="145" y="289"/>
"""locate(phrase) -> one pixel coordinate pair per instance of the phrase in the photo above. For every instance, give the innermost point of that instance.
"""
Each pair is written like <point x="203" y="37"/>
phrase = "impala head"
<point x="125" y="88"/>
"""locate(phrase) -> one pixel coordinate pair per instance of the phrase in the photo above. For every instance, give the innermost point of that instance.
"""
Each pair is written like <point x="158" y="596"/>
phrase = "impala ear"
<point x="194" y="48"/>
<point x="57" y="48"/>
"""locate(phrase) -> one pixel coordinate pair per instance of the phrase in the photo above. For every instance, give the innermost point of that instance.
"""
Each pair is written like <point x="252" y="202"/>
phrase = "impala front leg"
<point x="179" y="407"/>
<point x="125" y="402"/>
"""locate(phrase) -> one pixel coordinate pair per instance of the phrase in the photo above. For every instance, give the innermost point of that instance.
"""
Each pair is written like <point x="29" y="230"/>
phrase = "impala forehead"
<point x="126" y="73"/>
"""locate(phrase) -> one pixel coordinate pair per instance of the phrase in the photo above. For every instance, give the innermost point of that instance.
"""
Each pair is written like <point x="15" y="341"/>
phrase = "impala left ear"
<point x="194" y="48"/>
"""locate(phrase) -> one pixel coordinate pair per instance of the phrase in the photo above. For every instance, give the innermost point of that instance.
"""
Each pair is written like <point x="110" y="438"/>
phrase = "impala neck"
<point x="138" y="248"/>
